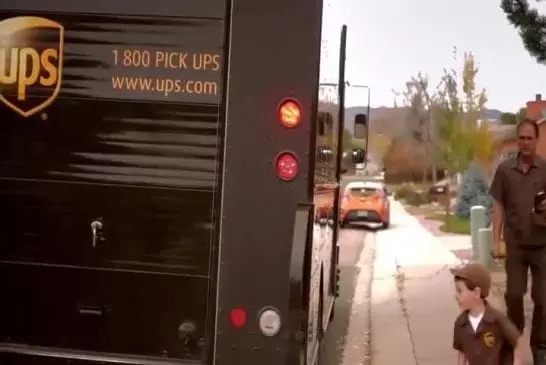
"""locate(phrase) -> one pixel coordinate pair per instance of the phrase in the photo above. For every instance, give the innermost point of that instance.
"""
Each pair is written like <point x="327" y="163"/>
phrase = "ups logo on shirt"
<point x="489" y="339"/>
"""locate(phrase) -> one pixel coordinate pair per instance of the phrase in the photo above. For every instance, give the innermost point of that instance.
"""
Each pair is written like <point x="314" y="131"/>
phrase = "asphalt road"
<point x="351" y="242"/>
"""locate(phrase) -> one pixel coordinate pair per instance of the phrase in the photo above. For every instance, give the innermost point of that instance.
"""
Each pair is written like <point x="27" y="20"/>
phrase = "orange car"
<point x="365" y="202"/>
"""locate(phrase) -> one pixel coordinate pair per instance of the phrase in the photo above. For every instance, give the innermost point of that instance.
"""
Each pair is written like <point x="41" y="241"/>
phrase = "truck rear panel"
<point x="109" y="149"/>
<point x="142" y="226"/>
<point x="266" y="223"/>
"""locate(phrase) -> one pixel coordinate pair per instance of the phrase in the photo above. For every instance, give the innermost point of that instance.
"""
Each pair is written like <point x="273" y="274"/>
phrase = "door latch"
<point x="96" y="231"/>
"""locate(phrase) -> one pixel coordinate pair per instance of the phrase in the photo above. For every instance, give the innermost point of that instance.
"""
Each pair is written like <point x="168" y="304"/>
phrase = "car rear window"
<point x="363" y="192"/>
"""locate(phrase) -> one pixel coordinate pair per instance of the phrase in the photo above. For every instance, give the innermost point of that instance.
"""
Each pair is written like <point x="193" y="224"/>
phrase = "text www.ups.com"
<point x="164" y="86"/>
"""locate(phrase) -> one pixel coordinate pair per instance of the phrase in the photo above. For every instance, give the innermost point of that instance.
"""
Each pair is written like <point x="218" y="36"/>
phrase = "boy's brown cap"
<point x="475" y="273"/>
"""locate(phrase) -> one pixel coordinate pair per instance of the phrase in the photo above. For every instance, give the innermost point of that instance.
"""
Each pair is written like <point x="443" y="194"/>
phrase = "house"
<point x="536" y="110"/>
<point x="506" y="136"/>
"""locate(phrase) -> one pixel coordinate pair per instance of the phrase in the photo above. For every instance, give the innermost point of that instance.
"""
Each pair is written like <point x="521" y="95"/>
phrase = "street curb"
<point x="358" y="349"/>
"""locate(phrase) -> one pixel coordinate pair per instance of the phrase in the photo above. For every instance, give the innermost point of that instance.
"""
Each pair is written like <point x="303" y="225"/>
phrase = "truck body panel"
<point x="258" y="213"/>
<point x="126" y="135"/>
<point x="147" y="222"/>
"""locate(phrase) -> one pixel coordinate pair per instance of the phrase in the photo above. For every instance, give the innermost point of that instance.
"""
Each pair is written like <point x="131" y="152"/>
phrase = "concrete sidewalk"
<point x="459" y="244"/>
<point x="412" y="295"/>
<point x="412" y="304"/>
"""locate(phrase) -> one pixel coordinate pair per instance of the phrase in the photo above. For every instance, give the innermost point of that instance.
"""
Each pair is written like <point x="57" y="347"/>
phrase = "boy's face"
<point x="466" y="298"/>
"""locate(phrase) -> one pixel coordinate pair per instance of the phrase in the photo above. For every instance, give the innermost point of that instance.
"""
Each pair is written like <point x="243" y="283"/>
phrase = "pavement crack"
<point x="368" y="358"/>
<point x="428" y="276"/>
<point x="401" y="279"/>
<point x="408" y="278"/>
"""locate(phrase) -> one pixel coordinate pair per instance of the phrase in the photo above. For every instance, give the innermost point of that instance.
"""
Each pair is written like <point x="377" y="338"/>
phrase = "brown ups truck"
<point x="163" y="183"/>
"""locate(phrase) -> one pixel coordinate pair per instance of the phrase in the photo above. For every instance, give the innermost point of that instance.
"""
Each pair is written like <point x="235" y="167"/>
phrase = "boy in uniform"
<point x="481" y="333"/>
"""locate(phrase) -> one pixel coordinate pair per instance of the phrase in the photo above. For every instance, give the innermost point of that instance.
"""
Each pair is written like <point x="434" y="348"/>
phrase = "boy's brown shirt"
<point x="484" y="346"/>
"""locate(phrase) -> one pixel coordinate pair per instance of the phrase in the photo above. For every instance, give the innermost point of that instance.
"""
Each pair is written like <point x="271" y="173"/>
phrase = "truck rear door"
<point x="109" y="147"/>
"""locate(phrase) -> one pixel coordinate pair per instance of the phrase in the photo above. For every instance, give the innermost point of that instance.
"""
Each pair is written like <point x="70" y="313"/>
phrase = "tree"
<point x="483" y="145"/>
<point x="530" y="24"/>
<point x="379" y="144"/>
<point x="521" y="114"/>
<point x="420" y="102"/>
<point x="513" y="118"/>
<point x="509" y="118"/>
<point x="404" y="160"/>
<point x="347" y="140"/>
<point x="459" y="109"/>
<point x="474" y="191"/>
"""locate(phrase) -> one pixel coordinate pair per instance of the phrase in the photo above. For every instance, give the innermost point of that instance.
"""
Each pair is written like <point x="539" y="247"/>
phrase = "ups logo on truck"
<point x="31" y="62"/>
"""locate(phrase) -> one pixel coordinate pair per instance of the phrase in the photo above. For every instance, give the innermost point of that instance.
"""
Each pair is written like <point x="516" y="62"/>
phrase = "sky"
<point x="389" y="41"/>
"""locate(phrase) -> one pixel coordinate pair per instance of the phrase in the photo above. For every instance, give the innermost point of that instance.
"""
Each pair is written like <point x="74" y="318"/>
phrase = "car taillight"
<point x="287" y="165"/>
<point x="345" y="199"/>
<point x="289" y="113"/>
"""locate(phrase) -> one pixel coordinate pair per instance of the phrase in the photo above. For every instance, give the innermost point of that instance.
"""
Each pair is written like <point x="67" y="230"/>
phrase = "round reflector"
<point x="238" y="317"/>
<point x="269" y="322"/>
<point x="287" y="166"/>
<point x="290" y="113"/>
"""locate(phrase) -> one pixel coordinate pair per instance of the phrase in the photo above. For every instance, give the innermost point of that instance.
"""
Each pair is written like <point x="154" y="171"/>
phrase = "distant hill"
<point x="395" y="117"/>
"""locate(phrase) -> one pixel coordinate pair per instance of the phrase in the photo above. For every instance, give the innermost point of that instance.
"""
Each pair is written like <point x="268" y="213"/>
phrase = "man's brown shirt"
<point x="515" y="190"/>
<point x="484" y="346"/>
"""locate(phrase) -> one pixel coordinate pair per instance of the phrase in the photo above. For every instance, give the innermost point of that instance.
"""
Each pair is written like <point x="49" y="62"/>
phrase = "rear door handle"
<point x="96" y="231"/>
<point x="92" y="310"/>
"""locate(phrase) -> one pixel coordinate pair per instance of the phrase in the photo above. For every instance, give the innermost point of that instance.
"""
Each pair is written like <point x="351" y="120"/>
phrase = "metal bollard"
<point x="485" y="245"/>
<point x="477" y="221"/>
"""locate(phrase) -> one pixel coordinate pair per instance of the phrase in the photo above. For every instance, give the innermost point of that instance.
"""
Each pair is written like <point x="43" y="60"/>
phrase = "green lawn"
<point x="456" y="225"/>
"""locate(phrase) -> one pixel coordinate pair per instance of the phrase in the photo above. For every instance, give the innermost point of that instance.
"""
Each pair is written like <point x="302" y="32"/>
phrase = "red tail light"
<point x="287" y="165"/>
<point x="290" y="113"/>
<point x="238" y="317"/>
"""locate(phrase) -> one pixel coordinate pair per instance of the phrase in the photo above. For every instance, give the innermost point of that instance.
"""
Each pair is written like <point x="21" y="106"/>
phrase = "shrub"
<point x="474" y="190"/>
<point x="417" y="199"/>
<point x="404" y="192"/>
<point x="411" y="195"/>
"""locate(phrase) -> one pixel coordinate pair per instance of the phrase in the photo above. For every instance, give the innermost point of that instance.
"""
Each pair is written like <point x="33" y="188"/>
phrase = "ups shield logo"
<point x="31" y="62"/>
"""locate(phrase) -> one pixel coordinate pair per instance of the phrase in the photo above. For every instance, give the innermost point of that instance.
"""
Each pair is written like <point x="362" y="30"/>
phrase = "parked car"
<point x="365" y="202"/>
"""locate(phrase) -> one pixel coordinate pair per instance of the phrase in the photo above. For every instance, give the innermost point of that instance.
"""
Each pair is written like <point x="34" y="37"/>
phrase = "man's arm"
<point x="497" y="192"/>
<point x="461" y="359"/>
<point x="514" y="337"/>
<point x="498" y="223"/>
<point x="519" y="352"/>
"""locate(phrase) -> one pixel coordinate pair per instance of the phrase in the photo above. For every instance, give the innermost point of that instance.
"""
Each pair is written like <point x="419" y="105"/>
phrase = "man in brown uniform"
<point x="516" y="183"/>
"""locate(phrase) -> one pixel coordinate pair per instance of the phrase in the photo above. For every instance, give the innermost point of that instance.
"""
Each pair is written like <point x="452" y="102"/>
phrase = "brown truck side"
<point x="147" y="223"/>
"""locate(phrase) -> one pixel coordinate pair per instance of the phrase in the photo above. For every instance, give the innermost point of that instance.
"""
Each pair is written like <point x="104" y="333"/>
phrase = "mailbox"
<point x="440" y="194"/>
<point x="439" y="190"/>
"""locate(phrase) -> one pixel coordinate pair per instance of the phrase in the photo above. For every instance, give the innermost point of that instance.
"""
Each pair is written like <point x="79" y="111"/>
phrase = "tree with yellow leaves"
<point x="459" y="109"/>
